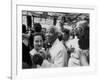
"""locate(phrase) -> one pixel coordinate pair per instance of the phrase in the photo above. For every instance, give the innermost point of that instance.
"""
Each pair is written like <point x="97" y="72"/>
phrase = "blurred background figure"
<point x="60" y="36"/>
<point x="81" y="58"/>
<point x="37" y="27"/>
<point x="23" y="28"/>
<point x="84" y="45"/>
<point x="26" y="60"/>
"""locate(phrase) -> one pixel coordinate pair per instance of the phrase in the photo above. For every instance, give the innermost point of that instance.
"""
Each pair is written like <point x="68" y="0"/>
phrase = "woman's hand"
<point x="42" y="52"/>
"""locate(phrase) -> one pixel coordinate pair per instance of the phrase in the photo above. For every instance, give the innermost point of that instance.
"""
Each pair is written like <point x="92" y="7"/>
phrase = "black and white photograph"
<point x="50" y="40"/>
<point x="55" y="39"/>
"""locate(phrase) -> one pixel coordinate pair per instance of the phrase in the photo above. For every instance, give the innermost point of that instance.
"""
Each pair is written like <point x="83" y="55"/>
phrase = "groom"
<point x="58" y="53"/>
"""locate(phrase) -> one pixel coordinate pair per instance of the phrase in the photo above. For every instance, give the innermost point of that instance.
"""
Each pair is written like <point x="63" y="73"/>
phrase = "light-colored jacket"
<point x="58" y="54"/>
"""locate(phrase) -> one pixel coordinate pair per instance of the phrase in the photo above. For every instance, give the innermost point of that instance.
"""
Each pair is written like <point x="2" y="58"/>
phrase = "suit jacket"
<point x="58" y="55"/>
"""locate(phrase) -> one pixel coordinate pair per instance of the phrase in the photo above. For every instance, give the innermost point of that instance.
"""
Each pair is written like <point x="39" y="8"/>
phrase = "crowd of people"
<point x="54" y="48"/>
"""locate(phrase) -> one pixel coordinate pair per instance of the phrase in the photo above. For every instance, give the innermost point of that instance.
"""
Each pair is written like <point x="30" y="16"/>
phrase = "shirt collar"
<point x="33" y="51"/>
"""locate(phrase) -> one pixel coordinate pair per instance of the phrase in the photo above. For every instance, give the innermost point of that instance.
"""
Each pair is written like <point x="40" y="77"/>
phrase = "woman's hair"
<point x="36" y="34"/>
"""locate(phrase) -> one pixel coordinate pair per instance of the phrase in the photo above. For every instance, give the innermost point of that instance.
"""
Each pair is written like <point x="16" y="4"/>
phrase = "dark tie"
<point x="48" y="57"/>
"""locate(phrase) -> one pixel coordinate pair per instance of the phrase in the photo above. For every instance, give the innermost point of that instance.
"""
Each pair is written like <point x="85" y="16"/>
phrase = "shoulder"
<point x="60" y="47"/>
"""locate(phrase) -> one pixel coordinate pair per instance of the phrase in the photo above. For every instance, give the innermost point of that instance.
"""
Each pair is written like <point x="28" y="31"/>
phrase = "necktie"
<point x="48" y="57"/>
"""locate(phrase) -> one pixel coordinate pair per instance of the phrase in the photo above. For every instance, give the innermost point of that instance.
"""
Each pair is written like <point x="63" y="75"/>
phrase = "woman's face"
<point x="38" y="42"/>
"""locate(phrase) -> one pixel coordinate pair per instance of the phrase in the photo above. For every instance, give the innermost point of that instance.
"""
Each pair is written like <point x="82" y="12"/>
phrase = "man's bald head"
<point x="51" y="34"/>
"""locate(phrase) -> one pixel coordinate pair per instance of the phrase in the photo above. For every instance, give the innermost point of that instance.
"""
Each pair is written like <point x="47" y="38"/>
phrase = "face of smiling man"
<point x="51" y="35"/>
